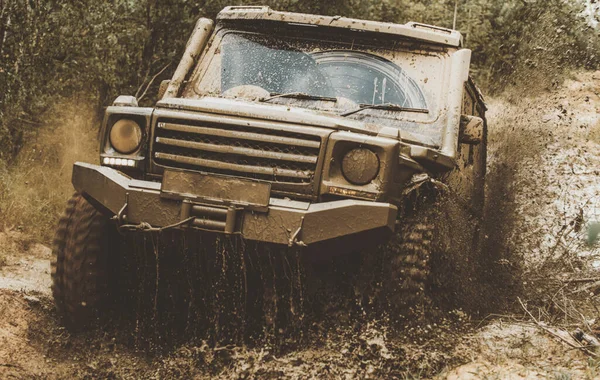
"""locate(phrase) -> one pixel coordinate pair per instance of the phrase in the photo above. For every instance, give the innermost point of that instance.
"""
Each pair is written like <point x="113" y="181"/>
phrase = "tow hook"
<point x="121" y="217"/>
<point x="294" y="237"/>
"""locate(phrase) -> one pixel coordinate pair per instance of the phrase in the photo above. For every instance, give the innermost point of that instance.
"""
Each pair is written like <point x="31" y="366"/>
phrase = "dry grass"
<point x="34" y="191"/>
<point x="13" y="244"/>
<point x="594" y="133"/>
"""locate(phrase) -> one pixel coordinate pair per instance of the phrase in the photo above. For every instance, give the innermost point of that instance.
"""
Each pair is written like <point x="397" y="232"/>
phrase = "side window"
<point x="479" y="110"/>
<point x="468" y="102"/>
<point x="468" y="108"/>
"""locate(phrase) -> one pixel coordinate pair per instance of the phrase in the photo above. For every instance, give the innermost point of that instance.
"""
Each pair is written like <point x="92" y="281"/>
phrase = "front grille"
<point x="274" y="155"/>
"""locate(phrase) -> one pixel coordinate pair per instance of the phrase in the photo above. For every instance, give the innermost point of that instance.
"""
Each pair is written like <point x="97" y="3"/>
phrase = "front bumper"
<point x="282" y="222"/>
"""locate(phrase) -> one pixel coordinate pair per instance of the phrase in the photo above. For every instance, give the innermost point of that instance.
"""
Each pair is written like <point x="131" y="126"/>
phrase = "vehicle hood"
<point x="275" y="112"/>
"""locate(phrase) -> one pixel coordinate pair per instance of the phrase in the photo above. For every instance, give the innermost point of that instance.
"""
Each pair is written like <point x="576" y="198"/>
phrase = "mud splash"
<point x="189" y="287"/>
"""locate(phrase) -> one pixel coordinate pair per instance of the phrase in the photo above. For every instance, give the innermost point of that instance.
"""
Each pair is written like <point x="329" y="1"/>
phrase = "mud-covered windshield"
<point x="335" y="77"/>
<point x="279" y="68"/>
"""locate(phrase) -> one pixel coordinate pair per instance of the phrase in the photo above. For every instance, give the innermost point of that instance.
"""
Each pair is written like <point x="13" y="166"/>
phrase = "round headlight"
<point x="126" y="136"/>
<point x="360" y="166"/>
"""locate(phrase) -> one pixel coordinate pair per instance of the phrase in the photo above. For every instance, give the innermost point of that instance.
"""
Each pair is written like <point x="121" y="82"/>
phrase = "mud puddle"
<point x="34" y="345"/>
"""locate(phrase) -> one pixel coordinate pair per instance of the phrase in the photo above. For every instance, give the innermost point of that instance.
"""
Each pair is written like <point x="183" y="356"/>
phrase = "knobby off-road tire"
<point x="432" y="261"/>
<point x="81" y="259"/>
<point x="407" y="256"/>
<point x="395" y="276"/>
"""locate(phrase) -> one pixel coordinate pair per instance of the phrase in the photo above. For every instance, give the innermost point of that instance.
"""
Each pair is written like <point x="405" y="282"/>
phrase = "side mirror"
<point x="163" y="88"/>
<point x="471" y="130"/>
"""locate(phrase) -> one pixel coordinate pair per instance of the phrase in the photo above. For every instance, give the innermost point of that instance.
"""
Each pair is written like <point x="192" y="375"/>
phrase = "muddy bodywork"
<point x="294" y="171"/>
<point x="257" y="217"/>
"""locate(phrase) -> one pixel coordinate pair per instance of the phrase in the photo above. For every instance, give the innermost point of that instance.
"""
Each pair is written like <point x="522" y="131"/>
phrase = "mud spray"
<point x="184" y="286"/>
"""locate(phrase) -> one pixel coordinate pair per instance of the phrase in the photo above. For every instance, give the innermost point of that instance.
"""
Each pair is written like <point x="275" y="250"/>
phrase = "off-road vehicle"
<point x="325" y="133"/>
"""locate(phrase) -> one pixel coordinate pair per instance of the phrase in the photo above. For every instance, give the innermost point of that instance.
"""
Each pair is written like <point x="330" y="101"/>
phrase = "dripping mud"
<point x="208" y="288"/>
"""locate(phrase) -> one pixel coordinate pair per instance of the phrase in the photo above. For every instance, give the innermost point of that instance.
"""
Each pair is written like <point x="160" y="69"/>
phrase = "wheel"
<point x="395" y="275"/>
<point x="81" y="263"/>
<point x="430" y="262"/>
<point x="408" y="255"/>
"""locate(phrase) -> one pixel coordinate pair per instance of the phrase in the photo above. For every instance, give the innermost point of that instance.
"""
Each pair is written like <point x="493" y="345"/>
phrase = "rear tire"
<point x="82" y="263"/>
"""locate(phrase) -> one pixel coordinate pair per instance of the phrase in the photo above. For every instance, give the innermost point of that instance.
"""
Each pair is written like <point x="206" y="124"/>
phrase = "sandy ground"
<point x="27" y="272"/>
<point x="545" y="151"/>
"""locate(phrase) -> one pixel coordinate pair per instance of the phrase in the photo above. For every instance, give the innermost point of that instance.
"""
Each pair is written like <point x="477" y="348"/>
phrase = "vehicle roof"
<point x="410" y="30"/>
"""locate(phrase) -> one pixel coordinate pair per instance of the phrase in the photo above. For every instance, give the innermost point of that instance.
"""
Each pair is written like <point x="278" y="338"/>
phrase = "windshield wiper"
<point x="298" y="95"/>
<point x="385" y="106"/>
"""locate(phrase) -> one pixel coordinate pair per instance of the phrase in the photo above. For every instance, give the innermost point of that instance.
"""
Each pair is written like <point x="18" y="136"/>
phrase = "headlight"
<point x="126" y="136"/>
<point x="360" y="166"/>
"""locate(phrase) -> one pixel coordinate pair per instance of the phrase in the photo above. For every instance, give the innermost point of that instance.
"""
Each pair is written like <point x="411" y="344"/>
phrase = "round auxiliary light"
<point x="125" y="136"/>
<point x="360" y="166"/>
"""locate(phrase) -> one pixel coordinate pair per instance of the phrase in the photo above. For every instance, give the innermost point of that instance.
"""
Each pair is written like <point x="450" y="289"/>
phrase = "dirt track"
<point x="33" y="345"/>
<point x="560" y="130"/>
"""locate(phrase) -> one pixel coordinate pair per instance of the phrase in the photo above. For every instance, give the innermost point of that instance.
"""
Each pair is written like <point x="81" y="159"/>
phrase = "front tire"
<point x="409" y="253"/>
<point x="430" y="263"/>
<point x="81" y="263"/>
<point x="395" y="276"/>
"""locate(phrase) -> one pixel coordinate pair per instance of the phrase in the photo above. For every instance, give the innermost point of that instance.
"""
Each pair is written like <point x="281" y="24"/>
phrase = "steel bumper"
<point x="283" y="222"/>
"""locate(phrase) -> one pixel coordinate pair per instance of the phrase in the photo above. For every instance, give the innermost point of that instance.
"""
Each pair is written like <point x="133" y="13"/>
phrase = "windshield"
<point x="339" y="78"/>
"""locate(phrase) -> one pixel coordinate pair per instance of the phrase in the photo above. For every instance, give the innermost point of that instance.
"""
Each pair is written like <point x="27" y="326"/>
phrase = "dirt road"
<point x="544" y="160"/>
<point x="34" y="345"/>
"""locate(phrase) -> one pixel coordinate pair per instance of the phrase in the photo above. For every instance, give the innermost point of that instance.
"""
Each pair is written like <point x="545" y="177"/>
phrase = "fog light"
<point x="116" y="161"/>
<point x="360" y="166"/>
<point x="352" y="193"/>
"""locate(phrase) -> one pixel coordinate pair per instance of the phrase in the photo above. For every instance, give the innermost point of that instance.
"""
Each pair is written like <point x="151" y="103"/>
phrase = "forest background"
<point x="63" y="61"/>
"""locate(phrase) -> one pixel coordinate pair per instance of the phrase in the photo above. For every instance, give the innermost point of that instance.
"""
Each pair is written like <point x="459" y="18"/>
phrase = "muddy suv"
<point x="325" y="133"/>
